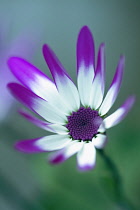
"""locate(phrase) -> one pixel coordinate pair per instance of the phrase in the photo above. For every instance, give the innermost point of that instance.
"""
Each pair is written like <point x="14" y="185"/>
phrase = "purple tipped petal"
<point x="64" y="84"/>
<point x="22" y="94"/>
<point x="28" y="146"/>
<point x="53" y="142"/>
<point x="85" y="168"/>
<point x="120" y="113"/>
<point x="101" y="66"/>
<point x="85" y="64"/>
<point x="40" y="123"/>
<point x="36" y="104"/>
<point x="56" y="128"/>
<point x="53" y="63"/>
<point x="57" y="159"/>
<point x="86" y="157"/>
<point x="97" y="90"/>
<point x="67" y="152"/>
<point x="47" y="143"/>
<point x="85" y="48"/>
<point x="114" y="88"/>
<point x="31" y="77"/>
<point x="36" y="81"/>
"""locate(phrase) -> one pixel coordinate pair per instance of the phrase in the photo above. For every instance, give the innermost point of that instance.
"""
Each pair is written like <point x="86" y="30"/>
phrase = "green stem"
<point x="123" y="203"/>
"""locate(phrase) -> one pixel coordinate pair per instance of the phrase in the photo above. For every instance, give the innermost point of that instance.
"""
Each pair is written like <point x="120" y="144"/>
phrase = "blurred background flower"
<point x="26" y="181"/>
<point x="23" y="44"/>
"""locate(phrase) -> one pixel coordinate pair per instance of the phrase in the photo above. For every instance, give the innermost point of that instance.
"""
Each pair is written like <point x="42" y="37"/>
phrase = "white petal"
<point x="114" y="88"/>
<point x="112" y="120"/>
<point x="120" y="113"/>
<point x="55" y="128"/>
<point x="64" y="84"/>
<point x="37" y="104"/>
<point x="100" y="141"/>
<point x="102" y="129"/>
<point x="86" y="157"/>
<point x="96" y="95"/>
<point x="36" y="81"/>
<point x="72" y="148"/>
<point x="60" y="129"/>
<point x="68" y="92"/>
<point x="60" y="156"/>
<point x="108" y="101"/>
<point x="85" y="64"/>
<point x="98" y="86"/>
<point x="53" y="142"/>
<point x="48" y="112"/>
<point x="84" y="80"/>
<point x="50" y="94"/>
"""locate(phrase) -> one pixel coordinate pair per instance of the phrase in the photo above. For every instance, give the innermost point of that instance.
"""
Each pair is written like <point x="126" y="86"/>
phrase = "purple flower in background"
<point x="20" y="45"/>
<point x="77" y="116"/>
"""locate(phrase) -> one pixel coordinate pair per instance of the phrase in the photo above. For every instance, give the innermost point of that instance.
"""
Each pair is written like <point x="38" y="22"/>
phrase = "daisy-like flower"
<point x="77" y="116"/>
<point x="24" y="47"/>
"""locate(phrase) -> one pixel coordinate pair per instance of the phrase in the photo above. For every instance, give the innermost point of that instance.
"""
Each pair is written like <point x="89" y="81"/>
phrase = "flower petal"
<point x="56" y="128"/>
<point x="53" y="142"/>
<point x="114" y="88"/>
<point x="120" y="113"/>
<point x="60" y="156"/>
<point x="47" y="143"/>
<point x="85" y="64"/>
<point x="64" y="84"/>
<point x="29" y="146"/>
<point x="31" y="77"/>
<point x="37" y="104"/>
<point x="100" y="141"/>
<point x="86" y="157"/>
<point x="36" y="81"/>
<point x="101" y="128"/>
<point x="97" y="89"/>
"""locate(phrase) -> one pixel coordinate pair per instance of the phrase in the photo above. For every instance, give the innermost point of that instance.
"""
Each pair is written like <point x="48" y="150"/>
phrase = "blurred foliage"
<point x="28" y="181"/>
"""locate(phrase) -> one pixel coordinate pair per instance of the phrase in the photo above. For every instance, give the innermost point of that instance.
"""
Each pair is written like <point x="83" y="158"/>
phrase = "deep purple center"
<point x="84" y="124"/>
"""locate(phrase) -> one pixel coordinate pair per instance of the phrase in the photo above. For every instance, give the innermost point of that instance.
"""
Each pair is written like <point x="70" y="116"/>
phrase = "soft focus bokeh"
<point x="28" y="182"/>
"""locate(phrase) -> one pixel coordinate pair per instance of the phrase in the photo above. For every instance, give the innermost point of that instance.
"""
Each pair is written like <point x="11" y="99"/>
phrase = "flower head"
<point x="20" y="45"/>
<point x="77" y="116"/>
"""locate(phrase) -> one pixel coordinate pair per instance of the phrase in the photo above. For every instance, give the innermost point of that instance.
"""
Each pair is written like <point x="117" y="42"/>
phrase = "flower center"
<point x="84" y="124"/>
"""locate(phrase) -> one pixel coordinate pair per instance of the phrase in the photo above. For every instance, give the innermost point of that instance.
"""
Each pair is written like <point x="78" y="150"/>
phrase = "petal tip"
<point x="11" y="86"/>
<point x="11" y="61"/>
<point x="20" y="147"/>
<point x="122" y="59"/>
<point x="85" y="31"/>
<point x="86" y="168"/>
<point x="85" y="28"/>
<point x="27" y="146"/>
<point x="131" y="100"/>
<point x="102" y="45"/>
<point x="57" y="160"/>
<point x="133" y="97"/>
<point x="45" y="49"/>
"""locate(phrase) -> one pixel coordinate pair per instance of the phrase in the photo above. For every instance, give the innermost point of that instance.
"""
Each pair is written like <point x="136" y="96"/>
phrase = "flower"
<point x="20" y="45"/>
<point x="78" y="116"/>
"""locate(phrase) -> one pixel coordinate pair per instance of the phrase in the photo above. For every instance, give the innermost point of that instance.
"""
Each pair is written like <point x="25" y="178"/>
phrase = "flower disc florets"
<point x="84" y="124"/>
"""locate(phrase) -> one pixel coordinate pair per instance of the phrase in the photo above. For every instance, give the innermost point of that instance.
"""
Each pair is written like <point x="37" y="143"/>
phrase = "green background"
<point x="28" y="182"/>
